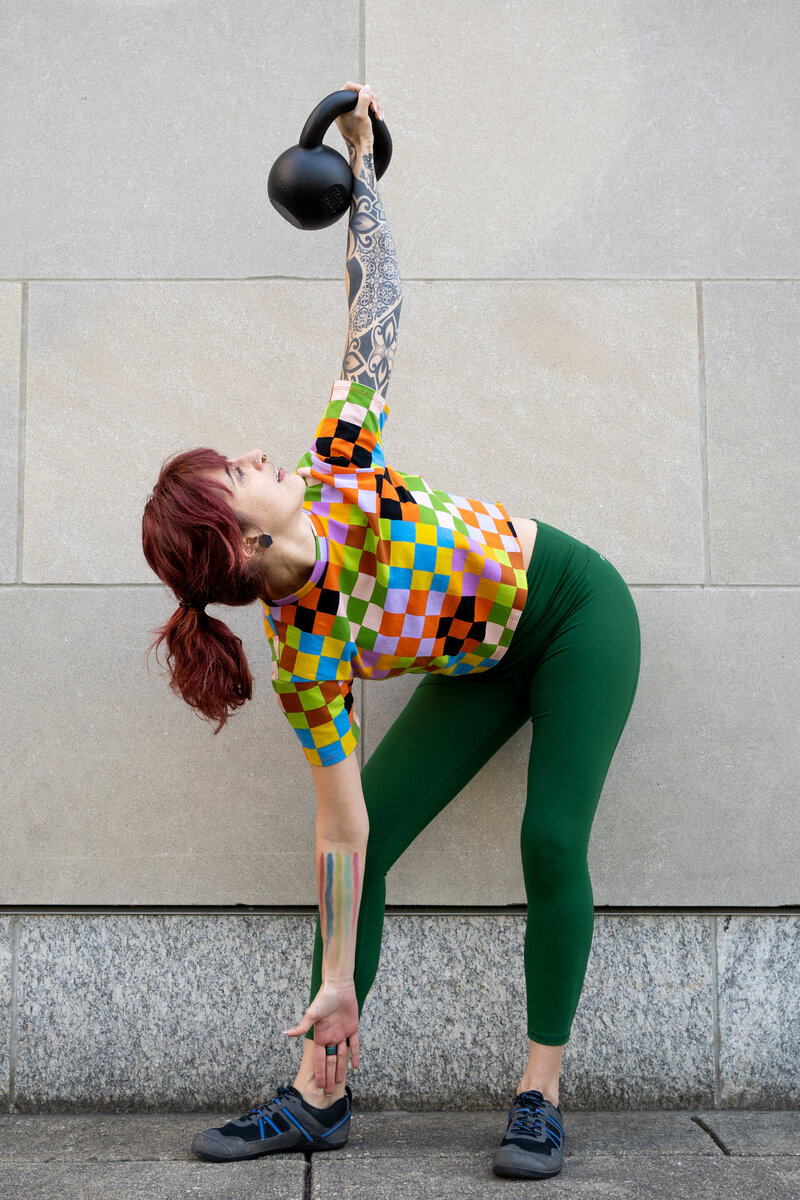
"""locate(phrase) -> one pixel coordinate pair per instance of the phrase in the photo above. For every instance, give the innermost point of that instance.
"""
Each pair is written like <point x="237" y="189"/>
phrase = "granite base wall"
<point x="129" y="1012"/>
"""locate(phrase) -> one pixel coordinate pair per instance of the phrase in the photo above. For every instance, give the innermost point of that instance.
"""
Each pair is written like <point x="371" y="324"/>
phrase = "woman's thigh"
<point x="580" y="697"/>
<point x="447" y="731"/>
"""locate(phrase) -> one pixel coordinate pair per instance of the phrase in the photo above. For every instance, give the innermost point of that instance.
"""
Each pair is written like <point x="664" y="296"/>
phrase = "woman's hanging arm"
<point x="341" y="846"/>
<point x="374" y="289"/>
<point x="342" y="832"/>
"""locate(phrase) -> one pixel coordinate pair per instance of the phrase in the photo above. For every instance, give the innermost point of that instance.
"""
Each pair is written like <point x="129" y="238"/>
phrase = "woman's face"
<point x="267" y="495"/>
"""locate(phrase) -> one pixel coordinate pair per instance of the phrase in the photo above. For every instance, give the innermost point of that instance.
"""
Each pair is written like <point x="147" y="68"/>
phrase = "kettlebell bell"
<point x="311" y="185"/>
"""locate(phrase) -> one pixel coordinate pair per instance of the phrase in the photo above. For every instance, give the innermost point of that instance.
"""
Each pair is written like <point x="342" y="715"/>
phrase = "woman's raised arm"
<point x="374" y="289"/>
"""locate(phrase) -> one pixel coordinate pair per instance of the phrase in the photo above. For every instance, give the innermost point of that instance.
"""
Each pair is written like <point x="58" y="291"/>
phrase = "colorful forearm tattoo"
<point x="374" y="290"/>
<point x="339" y="882"/>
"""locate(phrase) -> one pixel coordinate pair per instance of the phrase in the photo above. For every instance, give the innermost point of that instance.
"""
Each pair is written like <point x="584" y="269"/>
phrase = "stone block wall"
<point x="148" y="1012"/>
<point x="595" y="211"/>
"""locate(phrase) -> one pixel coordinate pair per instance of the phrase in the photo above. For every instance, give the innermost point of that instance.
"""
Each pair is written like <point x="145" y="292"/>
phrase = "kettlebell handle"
<point x="335" y="105"/>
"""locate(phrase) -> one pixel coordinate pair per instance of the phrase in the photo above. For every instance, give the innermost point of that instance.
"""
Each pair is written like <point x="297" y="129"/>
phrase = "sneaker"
<point x="287" y="1122"/>
<point x="533" y="1145"/>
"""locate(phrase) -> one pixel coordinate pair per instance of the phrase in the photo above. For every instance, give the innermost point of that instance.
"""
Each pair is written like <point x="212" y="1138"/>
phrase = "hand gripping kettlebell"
<point x="310" y="184"/>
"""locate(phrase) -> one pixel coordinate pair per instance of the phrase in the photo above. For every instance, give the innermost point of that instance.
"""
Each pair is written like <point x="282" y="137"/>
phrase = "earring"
<point x="265" y="540"/>
<point x="263" y="458"/>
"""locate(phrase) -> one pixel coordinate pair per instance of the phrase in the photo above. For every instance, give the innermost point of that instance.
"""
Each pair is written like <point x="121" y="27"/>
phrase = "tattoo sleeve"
<point x="339" y="882"/>
<point x="374" y="290"/>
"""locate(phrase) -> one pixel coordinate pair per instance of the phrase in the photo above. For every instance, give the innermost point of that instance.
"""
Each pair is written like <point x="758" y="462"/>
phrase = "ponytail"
<point x="192" y="540"/>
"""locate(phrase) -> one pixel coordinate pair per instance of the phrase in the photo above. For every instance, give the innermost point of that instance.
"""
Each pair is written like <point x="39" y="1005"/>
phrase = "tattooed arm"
<point x="374" y="290"/>
<point x="341" y="845"/>
<point x="342" y="832"/>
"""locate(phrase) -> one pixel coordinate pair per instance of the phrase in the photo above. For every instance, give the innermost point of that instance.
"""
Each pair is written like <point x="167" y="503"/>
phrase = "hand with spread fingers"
<point x="334" y="1014"/>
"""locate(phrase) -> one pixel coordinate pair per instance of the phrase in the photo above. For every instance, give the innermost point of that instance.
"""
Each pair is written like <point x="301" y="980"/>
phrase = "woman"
<point x="364" y="572"/>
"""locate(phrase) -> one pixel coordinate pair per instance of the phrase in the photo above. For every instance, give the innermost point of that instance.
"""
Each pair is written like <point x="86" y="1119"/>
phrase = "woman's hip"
<point x="570" y="585"/>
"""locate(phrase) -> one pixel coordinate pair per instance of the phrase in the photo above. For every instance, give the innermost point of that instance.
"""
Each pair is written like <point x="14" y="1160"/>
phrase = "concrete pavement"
<point x="623" y="1155"/>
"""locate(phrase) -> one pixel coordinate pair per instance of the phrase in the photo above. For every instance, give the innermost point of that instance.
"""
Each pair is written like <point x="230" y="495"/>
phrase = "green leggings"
<point x="572" y="670"/>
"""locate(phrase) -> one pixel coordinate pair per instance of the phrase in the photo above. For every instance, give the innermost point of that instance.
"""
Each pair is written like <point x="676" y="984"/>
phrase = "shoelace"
<point x="256" y="1112"/>
<point x="528" y="1118"/>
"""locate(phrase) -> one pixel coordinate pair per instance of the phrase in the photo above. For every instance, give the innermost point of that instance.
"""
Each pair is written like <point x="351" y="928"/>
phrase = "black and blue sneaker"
<point x="533" y="1145"/>
<point x="287" y="1122"/>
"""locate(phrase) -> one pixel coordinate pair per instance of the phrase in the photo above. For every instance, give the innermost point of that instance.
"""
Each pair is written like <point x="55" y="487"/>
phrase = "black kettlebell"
<point x="311" y="185"/>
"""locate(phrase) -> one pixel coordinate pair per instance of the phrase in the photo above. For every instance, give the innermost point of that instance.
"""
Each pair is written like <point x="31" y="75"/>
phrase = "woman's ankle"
<point x="315" y="1096"/>
<point x="306" y="1081"/>
<point x="548" y="1091"/>
<point x="306" y="1084"/>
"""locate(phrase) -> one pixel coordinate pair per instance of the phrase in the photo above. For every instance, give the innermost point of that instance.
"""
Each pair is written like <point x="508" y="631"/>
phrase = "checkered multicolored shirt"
<point x="407" y="578"/>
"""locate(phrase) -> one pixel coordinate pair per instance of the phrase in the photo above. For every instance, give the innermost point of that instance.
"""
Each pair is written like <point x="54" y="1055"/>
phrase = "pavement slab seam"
<point x="712" y="1133"/>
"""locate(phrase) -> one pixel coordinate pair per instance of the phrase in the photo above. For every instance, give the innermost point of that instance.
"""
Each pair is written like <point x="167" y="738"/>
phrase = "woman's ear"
<point x="249" y="535"/>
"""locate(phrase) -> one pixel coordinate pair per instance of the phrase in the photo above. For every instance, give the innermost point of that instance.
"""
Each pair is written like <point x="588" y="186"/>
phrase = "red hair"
<point x="192" y="539"/>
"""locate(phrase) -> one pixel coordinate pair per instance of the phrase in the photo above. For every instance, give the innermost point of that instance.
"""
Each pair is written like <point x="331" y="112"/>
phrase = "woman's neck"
<point x="289" y="561"/>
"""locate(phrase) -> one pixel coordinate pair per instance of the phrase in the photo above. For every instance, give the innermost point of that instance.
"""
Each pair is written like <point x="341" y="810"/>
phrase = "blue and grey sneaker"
<point x="533" y="1145"/>
<point x="287" y="1122"/>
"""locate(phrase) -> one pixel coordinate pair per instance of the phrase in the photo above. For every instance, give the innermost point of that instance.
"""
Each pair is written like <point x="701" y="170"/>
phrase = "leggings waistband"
<point x="557" y="562"/>
<point x="556" y="586"/>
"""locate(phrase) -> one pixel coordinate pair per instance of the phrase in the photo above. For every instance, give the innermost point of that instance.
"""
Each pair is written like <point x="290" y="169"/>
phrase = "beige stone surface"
<point x="699" y="804"/>
<point x="573" y="402"/>
<point x="703" y="808"/>
<point x="568" y="401"/>
<point x="565" y="140"/>
<point x="114" y="791"/>
<point x="752" y="363"/>
<point x="595" y="207"/>
<point x="576" y="139"/>
<point x="10" y="318"/>
<point x="139" y="136"/>
<point x="469" y="854"/>
<point x="123" y="375"/>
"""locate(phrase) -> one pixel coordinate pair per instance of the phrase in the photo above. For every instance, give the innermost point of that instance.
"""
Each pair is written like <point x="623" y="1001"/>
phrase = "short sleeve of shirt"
<point x="322" y="716"/>
<point x="349" y="434"/>
<point x="320" y="709"/>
